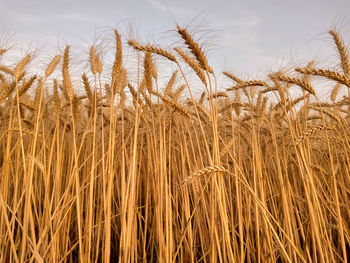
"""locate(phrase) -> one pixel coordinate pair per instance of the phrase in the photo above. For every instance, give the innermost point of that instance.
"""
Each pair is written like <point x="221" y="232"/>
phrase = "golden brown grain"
<point x="193" y="64"/>
<point x="195" y="49"/>
<point x="96" y="177"/>
<point x="343" y="52"/>
<point x="52" y="65"/>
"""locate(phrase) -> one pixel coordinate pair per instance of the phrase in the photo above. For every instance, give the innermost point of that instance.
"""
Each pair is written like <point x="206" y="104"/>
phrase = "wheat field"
<point x="130" y="168"/>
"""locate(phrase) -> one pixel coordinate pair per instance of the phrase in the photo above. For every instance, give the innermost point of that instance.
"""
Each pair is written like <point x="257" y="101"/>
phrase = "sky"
<point x="245" y="37"/>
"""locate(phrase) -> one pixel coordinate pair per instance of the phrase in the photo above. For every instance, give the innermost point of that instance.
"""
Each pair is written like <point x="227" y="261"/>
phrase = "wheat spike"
<point x="118" y="60"/>
<point x="135" y="95"/>
<point x="99" y="66"/>
<point x="281" y="90"/>
<point x="52" y="65"/>
<point x="38" y="94"/>
<point x="269" y="89"/>
<point x="67" y="83"/>
<point x="148" y="71"/>
<point x="326" y="73"/>
<point x="193" y="64"/>
<point x="314" y="130"/>
<point x="56" y="98"/>
<point x="153" y="49"/>
<point x="122" y="98"/>
<point x="296" y="101"/>
<point x="121" y="82"/>
<point x="75" y="110"/>
<point x="178" y="92"/>
<point x="95" y="61"/>
<point x="7" y="90"/>
<point x="2" y="78"/>
<point x="170" y="83"/>
<point x="232" y="104"/>
<point x="218" y="94"/>
<point x="195" y="49"/>
<point x="6" y="70"/>
<point x="21" y="65"/>
<point x="237" y="101"/>
<point x="335" y="91"/>
<point x="343" y="53"/>
<point x="304" y="85"/>
<point x="117" y="70"/>
<point x="202" y="172"/>
<point x="26" y="85"/>
<point x="88" y="89"/>
<point x="250" y="83"/>
<point x="233" y="77"/>
<point x="173" y="104"/>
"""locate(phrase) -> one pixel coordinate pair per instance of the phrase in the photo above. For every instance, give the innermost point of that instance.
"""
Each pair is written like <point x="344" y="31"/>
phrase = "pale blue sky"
<point x="243" y="36"/>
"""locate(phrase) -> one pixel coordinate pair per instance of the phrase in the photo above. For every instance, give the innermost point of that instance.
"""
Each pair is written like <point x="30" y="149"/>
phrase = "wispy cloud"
<point x="158" y="5"/>
<point x="76" y="17"/>
<point x="179" y="11"/>
<point x="18" y="16"/>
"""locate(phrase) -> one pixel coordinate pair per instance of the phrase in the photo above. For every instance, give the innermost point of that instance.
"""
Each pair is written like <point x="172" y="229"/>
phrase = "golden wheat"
<point x="102" y="176"/>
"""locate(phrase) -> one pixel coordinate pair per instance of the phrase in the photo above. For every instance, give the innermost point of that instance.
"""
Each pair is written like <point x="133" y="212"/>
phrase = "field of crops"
<point x="128" y="167"/>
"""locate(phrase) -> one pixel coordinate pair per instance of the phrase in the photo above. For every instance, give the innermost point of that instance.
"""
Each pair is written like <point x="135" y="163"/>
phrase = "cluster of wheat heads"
<point x="134" y="171"/>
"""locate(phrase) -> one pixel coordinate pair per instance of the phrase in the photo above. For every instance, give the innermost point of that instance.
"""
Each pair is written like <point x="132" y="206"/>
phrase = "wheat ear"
<point x="343" y="52"/>
<point x="202" y="172"/>
<point x="56" y="96"/>
<point x="193" y="64"/>
<point x="326" y="73"/>
<point x="170" y="83"/>
<point x="26" y="85"/>
<point x="52" y="65"/>
<point x="153" y="49"/>
<point x="250" y="83"/>
<point x="195" y="49"/>
<point x="314" y="130"/>
<point x="335" y="91"/>
<point x="67" y="83"/>
<point x="303" y="84"/>
<point x="233" y="77"/>
<point x="6" y="70"/>
<point x="173" y="104"/>
<point x="21" y="65"/>
<point x="88" y="89"/>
